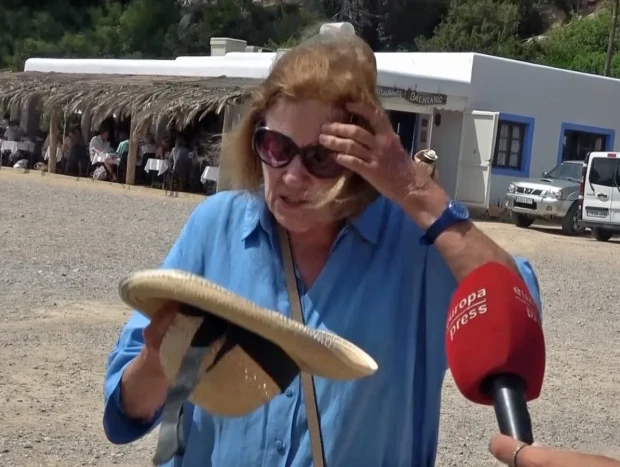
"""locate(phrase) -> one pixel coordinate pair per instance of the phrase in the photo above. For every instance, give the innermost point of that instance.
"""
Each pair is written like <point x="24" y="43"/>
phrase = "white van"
<point x="599" y="194"/>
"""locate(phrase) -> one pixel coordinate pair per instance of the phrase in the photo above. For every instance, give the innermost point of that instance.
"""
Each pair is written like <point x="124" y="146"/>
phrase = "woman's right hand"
<point x="503" y="448"/>
<point x="156" y="330"/>
<point x="144" y="385"/>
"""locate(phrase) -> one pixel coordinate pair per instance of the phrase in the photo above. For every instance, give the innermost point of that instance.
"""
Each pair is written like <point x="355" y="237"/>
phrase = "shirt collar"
<point x="256" y="213"/>
<point x="367" y="224"/>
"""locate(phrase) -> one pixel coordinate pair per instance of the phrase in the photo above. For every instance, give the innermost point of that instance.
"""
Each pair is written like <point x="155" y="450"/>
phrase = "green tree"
<point x="580" y="45"/>
<point x="485" y="26"/>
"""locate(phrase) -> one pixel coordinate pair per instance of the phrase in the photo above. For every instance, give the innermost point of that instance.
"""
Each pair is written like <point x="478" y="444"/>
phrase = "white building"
<point x="491" y="120"/>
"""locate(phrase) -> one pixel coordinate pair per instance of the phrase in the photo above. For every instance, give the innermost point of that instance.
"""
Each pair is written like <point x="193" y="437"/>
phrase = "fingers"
<point x="352" y="163"/>
<point x="349" y="132"/>
<point x="344" y="146"/>
<point x="503" y="448"/>
<point x="156" y="330"/>
<point x="375" y="116"/>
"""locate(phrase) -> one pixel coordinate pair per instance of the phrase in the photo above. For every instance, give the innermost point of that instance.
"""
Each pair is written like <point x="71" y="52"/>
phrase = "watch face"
<point x="459" y="210"/>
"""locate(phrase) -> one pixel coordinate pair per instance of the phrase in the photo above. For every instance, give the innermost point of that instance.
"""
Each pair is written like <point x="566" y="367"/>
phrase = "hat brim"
<point x="426" y="156"/>
<point x="316" y="352"/>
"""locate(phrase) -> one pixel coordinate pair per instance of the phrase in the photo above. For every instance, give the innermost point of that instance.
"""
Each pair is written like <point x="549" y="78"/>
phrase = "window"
<point x="603" y="171"/>
<point x="509" y="146"/>
<point x="577" y="144"/>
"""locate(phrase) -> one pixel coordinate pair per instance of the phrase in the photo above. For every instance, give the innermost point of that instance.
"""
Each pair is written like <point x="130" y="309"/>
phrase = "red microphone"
<point x="495" y="346"/>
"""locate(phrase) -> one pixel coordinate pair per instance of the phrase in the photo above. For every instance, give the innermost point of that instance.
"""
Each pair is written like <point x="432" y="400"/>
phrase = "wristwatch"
<point x="454" y="213"/>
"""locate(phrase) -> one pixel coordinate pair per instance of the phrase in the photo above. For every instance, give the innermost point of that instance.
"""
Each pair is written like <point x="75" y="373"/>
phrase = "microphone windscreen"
<point x="494" y="328"/>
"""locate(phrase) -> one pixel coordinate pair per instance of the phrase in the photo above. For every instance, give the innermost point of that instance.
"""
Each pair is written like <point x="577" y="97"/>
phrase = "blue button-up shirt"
<point x="381" y="289"/>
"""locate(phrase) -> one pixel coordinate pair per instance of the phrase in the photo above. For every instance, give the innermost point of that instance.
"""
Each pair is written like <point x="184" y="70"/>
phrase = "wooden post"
<point x="53" y="141"/>
<point x="85" y="125"/>
<point x="232" y="115"/>
<point x="132" y="157"/>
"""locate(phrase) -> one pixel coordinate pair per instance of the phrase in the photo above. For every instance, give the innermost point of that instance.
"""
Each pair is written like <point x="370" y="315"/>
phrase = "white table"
<point x="14" y="146"/>
<point x="156" y="165"/>
<point x="210" y="173"/>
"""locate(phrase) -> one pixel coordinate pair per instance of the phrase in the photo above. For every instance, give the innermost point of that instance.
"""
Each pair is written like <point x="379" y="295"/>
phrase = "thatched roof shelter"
<point x="146" y="98"/>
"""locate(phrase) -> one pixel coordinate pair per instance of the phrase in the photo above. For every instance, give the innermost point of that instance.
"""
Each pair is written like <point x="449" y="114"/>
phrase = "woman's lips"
<point x="293" y="202"/>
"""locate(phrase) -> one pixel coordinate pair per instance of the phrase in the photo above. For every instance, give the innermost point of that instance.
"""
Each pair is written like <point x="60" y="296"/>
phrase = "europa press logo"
<point x="466" y="310"/>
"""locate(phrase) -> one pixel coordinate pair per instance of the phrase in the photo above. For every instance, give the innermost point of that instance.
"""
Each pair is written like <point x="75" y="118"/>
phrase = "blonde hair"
<point x="334" y="68"/>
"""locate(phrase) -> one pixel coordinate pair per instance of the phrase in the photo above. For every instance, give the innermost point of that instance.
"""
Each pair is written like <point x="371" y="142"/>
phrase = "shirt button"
<point x="280" y="447"/>
<point x="289" y="393"/>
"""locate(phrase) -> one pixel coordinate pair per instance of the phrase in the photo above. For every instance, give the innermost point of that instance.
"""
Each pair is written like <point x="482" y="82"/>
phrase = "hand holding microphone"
<point x="496" y="347"/>
<point x="496" y="352"/>
<point x="504" y="449"/>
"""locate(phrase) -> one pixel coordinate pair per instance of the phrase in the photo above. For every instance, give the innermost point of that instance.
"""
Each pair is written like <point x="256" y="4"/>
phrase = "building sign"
<point x="420" y="98"/>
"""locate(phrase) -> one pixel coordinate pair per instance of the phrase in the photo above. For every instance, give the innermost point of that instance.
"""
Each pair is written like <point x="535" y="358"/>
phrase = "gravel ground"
<point x="61" y="315"/>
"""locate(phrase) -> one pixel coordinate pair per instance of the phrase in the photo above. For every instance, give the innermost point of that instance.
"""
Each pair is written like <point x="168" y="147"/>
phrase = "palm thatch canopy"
<point x="145" y="98"/>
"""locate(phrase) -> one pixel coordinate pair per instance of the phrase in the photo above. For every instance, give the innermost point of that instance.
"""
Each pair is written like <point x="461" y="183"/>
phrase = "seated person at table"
<point x="100" y="147"/>
<point x="163" y="149"/>
<point x="13" y="132"/>
<point x="146" y="146"/>
<point x="122" y="152"/>
<point x="100" y="144"/>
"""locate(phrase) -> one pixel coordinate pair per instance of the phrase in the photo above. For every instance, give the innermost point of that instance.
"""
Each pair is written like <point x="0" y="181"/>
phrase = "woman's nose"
<point x="295" y="173"/>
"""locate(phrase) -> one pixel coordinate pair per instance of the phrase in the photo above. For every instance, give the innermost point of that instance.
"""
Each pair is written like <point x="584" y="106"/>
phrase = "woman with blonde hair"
<point x="378" y="250"/>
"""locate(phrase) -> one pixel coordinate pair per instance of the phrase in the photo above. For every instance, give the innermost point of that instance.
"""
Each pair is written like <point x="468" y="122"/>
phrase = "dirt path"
<point x="61" y="316"/>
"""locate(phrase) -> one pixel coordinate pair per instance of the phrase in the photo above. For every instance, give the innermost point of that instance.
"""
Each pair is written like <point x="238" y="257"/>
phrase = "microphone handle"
<point x="513" y="418"/>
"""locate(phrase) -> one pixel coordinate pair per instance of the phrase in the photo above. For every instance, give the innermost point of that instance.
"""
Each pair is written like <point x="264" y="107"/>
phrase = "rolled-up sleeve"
<point x="118" y="427"/>
<point x="529" y="277"/>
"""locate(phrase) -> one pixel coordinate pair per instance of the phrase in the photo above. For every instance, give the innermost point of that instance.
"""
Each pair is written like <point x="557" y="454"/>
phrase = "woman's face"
<point x="288" y="189"/>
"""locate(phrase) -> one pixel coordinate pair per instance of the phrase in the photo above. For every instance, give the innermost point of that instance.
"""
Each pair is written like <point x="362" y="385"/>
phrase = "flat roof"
<point x="433" y="72"/>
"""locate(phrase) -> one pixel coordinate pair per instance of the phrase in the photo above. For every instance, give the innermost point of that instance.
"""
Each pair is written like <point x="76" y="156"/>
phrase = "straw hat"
<point x="254" y="353"/>
<point x="426" y="155"/>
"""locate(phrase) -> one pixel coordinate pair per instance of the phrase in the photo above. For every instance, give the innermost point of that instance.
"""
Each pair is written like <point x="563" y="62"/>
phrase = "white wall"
<point x="549" y="95"/>
<point x="442" y="66"/>
<point x="446" y="141"/>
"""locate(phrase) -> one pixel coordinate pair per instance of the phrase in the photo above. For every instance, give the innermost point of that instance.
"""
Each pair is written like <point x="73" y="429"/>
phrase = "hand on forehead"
<point x="302" y="120"/>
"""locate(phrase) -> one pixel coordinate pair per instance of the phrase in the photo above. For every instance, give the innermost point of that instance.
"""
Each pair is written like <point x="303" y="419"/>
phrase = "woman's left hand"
<point x="379" y="158"/>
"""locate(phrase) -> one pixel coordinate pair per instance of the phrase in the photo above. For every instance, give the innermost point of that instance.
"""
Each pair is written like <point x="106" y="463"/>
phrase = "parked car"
<point x="553" y="198"/>
<point x="600" y="194"/>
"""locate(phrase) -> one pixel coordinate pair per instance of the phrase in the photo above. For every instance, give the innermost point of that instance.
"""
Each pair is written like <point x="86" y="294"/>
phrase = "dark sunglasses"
<point x="278" y="150"/>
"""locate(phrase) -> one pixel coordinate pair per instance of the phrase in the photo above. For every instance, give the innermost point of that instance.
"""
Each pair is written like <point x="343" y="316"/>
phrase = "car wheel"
<point x="570" y="223"/>
<point x="521" y="220"/>
<point x="601" y="235"/>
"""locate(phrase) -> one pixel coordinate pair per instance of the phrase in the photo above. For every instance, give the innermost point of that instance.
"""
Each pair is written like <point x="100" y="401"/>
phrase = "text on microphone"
<point x="469" y="308"/>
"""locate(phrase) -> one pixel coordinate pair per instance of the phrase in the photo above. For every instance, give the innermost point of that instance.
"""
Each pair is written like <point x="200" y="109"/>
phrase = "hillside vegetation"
<point x="169" y="28"/>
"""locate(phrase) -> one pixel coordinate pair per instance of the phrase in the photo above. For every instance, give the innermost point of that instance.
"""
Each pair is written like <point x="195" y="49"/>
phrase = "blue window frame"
<point x="513" y="145"/>
<point x="576" y="141"/>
